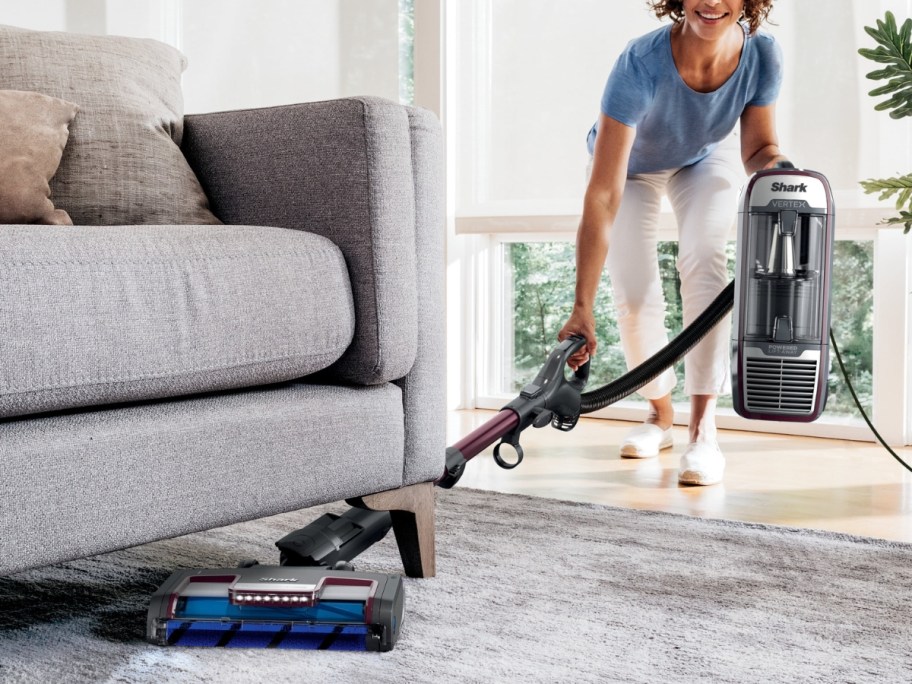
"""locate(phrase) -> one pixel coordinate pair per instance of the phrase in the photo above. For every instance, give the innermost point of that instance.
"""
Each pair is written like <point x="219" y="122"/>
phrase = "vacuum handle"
<point x="550" y="379"/>
<point x="580" y="377"/>
<point x="568" y="348"/>
<point x="552" y="396"/>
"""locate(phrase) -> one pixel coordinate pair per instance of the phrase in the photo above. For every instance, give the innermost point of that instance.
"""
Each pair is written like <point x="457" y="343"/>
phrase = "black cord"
<point x="858" y="404"/>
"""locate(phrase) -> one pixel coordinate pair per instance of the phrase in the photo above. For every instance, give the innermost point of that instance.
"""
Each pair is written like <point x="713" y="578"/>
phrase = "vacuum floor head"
<point x="277" y="607"/>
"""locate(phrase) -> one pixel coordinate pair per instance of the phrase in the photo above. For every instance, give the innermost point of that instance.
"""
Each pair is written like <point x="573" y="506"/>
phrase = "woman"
<point x="667" y="127"/>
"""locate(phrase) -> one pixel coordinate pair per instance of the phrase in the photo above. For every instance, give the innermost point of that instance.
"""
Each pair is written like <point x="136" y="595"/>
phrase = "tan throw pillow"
<point x="33" y="133"/>
<point x="123" y="164"/>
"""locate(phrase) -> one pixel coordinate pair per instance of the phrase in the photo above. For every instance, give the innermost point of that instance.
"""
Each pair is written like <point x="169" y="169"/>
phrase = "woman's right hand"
<point x="582" y="323"/>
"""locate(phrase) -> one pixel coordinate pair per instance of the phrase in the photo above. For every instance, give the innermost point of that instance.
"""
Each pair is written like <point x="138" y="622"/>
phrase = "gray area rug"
<point x="528" y="590"/>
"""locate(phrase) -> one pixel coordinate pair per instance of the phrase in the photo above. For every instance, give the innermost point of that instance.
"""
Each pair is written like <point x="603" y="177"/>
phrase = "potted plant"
<point x="894" y="51"/>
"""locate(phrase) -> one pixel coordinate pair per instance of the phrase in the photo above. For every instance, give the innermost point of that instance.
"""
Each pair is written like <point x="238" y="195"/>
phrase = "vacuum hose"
<point x="662" y="359"/>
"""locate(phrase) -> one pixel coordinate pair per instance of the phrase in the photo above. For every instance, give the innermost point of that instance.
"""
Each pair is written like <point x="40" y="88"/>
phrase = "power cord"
<point x="858" y="404"/>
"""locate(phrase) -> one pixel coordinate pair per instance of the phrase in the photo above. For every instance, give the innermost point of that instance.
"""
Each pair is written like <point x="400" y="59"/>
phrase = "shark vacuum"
<point x="780" y="353"/>
<point x="315" y="599"/>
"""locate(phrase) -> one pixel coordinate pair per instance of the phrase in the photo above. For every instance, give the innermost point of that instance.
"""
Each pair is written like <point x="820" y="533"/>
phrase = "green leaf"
<point x="894" y="49"/>
<point x="872" y="32"/>
<point x="888" y="187"/>
<point x="903" y="198"/>
<point x="889" y="72"/>
<point x="888" y="88"/>
<point x="868" y="53"/>
<point x="905" y="221"/>
<point x="881" y="57"/>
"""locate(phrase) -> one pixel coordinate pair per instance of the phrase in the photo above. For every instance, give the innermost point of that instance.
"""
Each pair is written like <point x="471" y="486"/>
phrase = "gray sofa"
<point x="157" y="380"/>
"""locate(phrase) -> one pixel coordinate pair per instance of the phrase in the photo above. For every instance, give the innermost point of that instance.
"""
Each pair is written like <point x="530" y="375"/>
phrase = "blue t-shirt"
<point x="676" y="125"/>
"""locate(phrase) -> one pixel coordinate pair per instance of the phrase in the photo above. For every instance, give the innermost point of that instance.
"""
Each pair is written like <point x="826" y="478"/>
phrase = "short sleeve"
<point x="769" y="69"/>
<point x="628" y="92"/>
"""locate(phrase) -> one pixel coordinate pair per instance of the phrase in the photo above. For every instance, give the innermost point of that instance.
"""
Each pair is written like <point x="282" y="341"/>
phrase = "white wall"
<point x="369" y="47"/>
<point x="531" y="74"/>
<point x="157" y="19"/>
<point x="247" y="54"/>
<point x="826" y="118"/>
<point x="549" y="66"/>
<point x="43" y="15"/>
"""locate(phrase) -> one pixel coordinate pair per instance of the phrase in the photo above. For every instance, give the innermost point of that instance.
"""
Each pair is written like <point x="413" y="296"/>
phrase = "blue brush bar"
<point x="216" y="607"/>
<point x="214" y="633"/>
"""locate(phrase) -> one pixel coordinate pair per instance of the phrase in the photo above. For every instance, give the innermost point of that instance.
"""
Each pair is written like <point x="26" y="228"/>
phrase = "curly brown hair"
<point x="755" y="11"/>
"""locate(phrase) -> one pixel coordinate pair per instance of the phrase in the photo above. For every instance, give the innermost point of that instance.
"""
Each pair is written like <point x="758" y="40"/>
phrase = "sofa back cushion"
<point x="122" y="164"/>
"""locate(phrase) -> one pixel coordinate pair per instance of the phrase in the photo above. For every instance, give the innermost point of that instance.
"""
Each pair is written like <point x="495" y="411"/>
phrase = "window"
<point x="407" y="51"/>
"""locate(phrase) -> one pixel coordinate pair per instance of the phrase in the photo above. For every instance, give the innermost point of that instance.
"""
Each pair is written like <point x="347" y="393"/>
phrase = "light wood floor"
<point x="844" y="486"/>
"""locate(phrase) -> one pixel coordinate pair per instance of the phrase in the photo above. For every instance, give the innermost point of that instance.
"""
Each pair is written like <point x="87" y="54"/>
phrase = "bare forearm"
<point x="591" y="251"/>
<point x="759" y="141"/>
<point x="764" y="158"/>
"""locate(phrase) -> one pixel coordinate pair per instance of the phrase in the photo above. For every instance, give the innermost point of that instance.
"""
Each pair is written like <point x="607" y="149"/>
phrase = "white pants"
<point x="704" y="197"/>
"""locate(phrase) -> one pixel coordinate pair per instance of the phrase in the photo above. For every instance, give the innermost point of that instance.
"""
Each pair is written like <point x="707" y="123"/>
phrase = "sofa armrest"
<point x="424" y="388"/>
<point x="342" y="169"/>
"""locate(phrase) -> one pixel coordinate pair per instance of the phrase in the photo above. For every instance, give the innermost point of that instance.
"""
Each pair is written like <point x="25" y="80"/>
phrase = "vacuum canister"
<point x="780" y="347"/>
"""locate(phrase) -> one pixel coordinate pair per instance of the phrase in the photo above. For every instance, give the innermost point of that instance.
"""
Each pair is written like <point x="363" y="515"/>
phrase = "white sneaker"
<point x="645" y="441"/>
<point x="702" y="463"/>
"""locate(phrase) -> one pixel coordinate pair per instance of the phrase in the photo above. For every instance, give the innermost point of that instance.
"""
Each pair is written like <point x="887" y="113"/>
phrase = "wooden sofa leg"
<point x="412" y="511"/>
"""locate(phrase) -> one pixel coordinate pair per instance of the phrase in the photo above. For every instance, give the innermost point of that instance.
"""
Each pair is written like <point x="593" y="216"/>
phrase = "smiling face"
<point x="710" y="19"/>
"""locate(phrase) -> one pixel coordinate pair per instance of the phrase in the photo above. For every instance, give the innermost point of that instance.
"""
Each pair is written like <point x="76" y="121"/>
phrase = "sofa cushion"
<point x="87" y="482"/>
<point x="96" y="315"/>
<point x="123" y="164"/>
<point x="33" y="134"/>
